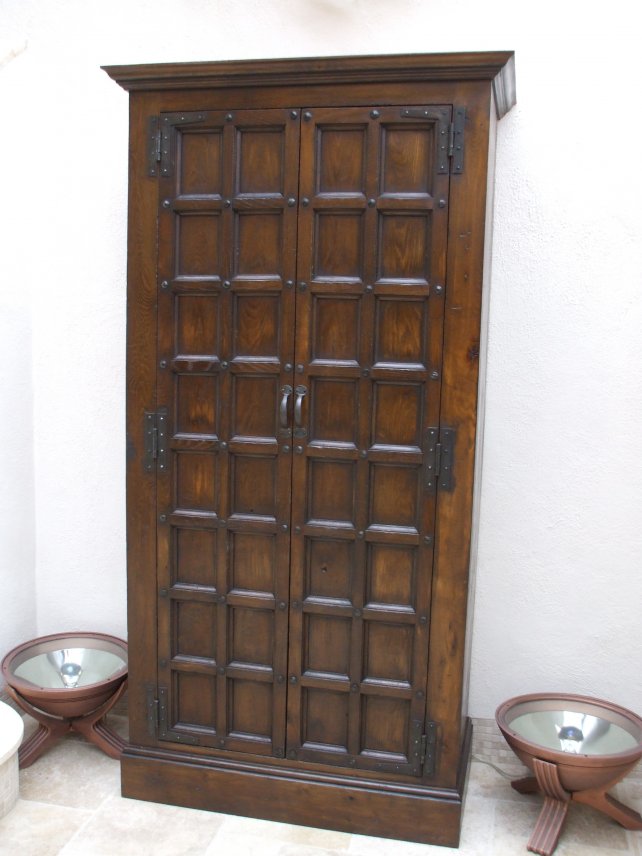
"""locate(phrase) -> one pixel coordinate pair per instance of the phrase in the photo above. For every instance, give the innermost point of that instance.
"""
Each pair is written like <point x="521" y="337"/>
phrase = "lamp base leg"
<point x="52" y="728"/>
<point x="625" y="816"/>
<point x="557" y="800"/>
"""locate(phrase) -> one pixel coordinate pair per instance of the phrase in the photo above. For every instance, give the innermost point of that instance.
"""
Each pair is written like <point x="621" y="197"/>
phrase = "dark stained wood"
<point x="425" y="815"/>
<point x="305" y="298"/>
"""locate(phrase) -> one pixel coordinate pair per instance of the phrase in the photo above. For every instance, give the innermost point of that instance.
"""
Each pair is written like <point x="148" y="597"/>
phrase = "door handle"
<point x="286" y="392"/>
<point x="301" y="392"/>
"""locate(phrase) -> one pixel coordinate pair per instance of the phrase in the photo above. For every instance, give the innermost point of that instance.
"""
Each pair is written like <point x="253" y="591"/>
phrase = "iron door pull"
<point x="286" y="392"/>
<point x="301" y="392"/>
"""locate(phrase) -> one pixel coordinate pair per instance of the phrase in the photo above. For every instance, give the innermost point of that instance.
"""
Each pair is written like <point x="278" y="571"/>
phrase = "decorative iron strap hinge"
<point x="152" y="710"/>
<point x="439" y="458"/>
<point x="456" y="141"/>
<point x="155" y="436"/>
<point x="156" y="701"/>
<point x="161" y="143"/>
<point x="429" y="749"/>
<point x="450" y="135"/>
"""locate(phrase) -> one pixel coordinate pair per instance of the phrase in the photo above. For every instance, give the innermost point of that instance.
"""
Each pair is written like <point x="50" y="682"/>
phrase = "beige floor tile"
<point x="585" y="832"/>
<point x="365" y="845"/>
<point x="477" y="827"/>
<point x="228" y="843"/>
<point x="126" y="827"/>
<point x="72" y="773"/>
<point x="484" y="781"/>
<point x="286" y="833"/>
<point x="36" y="829"/>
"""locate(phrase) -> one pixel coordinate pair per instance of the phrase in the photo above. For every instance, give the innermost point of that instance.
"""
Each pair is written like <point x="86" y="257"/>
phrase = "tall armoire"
<point x="306" y="311"/>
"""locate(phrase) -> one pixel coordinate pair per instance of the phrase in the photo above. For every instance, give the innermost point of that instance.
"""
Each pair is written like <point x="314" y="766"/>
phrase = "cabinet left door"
<point x="226" y="264"/>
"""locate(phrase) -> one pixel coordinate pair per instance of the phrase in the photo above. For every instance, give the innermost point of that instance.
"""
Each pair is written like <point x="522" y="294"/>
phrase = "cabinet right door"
<point x="371" y="266"/>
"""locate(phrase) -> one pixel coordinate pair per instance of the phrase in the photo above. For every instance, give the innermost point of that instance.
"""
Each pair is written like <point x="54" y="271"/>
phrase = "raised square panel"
<point x="254" y="485"/>
<point x="392" y="575"/>
<point x="258" y="244"/>
<point x="329" y="567"/>
<point x="342" y="159"/>
<point x="333" y="413"/>
<point x="388" y="651"/>
<point x="335" y="328"/>
<point x="197" y="324"/>
<point x="255" y="403"/>
<point x="251" y="635"/>
<point x="400" y="333"/>
<point x="196" y="699"/>
<point x="404" y="242"/>
<point x="339" y="245"/>
<point x="331" y="491"/>
<point x="197" y="404"/>
<point x="253" y="559"/>
<point x="397" y="414"/>
<point x="201" y="162"/>
<point x="256" y="325"/>
<point x="394" y="495"/>
<point x="408" y="159"/>
<point x="195" y="629"/>
<point x="198" y="245"/>
<point x="249" y="708"/>
<point x="260" y="167"/>
<point x="195" y="481"/>
<point x="325" y="718"/>
<point x="327" y="644"/>
<point x="195" y="556"/>
<point x="386" y="723"/>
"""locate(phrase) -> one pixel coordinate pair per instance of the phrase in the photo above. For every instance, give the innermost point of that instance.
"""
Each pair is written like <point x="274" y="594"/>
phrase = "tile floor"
<point x="70" y="805"/>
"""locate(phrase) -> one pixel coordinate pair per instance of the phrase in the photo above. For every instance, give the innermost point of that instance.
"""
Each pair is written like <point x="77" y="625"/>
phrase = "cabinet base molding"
<point x="404" y="811"/>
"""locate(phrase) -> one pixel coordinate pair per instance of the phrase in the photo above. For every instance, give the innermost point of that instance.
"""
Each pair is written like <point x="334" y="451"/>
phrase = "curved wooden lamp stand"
<point x="51" y="728"/>
<point x="556" y="803"/>
<point x="567" y="777"/>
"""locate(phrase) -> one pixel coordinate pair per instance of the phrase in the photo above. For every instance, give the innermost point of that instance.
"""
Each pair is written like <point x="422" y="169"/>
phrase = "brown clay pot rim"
<point x="29" y="689"/>
<point x="557" y="701"/>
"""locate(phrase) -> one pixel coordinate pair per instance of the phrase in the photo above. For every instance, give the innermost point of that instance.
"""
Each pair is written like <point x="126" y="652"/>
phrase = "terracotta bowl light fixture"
<point x="67" y="682"/>
<point x="577" y="748"/>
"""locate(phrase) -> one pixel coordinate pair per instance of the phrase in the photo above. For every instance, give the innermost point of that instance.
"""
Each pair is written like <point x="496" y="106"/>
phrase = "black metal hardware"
<point x="429" y="749"/>
<point x="151" y="704"/>
<point x="154" y="146"/>
<point x="155" y="439"/>
<point x="301" y="392"/>
<point x="456" y="140"/>
<point x="160" y="146"/>
<point x="439" y="458"/>
<point x="450" y="135"/>
<point x="166" y="733"/>
<point x="286" y="392"/>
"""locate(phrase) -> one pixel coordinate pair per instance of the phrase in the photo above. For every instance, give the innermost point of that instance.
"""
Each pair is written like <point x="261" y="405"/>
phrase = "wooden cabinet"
<point x="305" y="309"/>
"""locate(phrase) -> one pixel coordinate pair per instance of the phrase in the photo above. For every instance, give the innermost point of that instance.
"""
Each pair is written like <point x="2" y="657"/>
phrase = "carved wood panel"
<point x="300" y="340"/>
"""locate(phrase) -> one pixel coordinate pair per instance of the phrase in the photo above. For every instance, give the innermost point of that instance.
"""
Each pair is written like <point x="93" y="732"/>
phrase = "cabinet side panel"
<point x="141" y="396"/>
<point x="481" y="399"/>
<point x="458" y="411"/>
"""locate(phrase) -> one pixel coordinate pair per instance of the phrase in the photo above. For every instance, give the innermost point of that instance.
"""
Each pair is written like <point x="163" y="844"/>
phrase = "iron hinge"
<point x="154" y="146"/>
<point x="161" y="142"/>
<point x="450" y="135"/>
<point x="439" y="452"/>
<point x="429" y="749"/>
<point x="152" y="710"/>
<point x="155" y="437"/>
<point x="456" y="141"/>
<point x="164" y="730"/>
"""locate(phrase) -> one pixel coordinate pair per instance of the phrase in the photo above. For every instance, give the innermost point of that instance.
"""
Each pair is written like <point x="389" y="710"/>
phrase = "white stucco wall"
<point x="17" y="529"/>
<point x="559" y="586"/>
